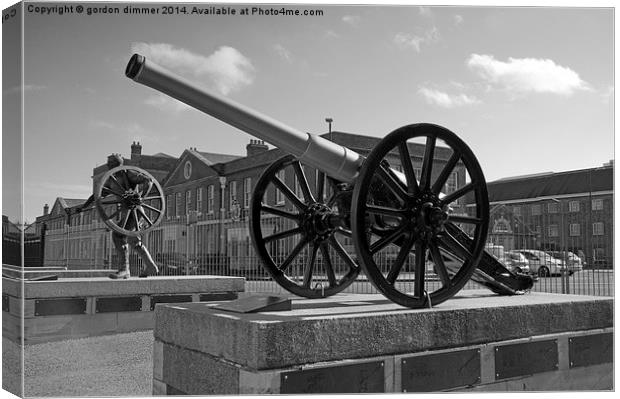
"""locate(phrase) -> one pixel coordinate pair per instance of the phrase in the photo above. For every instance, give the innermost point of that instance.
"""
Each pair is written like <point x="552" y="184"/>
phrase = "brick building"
<point x="570" y="210"/>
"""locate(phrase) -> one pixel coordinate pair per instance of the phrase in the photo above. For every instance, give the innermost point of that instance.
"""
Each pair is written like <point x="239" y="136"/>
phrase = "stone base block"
<point x="41" y="311"/>
<point x="366" y="344"/>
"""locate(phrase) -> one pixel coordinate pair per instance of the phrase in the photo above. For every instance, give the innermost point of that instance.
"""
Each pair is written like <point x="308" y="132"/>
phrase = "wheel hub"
<point x="131" y="199"/>
<point x="316" y="222"/>
<point x="427" y="216"/>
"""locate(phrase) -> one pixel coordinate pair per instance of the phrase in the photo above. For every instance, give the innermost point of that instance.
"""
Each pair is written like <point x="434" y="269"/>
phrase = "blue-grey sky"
<point x="529" y="89"/>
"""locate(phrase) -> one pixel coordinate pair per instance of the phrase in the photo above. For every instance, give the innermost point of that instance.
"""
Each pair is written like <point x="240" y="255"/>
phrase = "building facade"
<point x="567" y="211"/>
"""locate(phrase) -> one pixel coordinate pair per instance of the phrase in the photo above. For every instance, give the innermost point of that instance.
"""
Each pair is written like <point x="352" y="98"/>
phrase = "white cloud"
<point x="445" y="100"/>
<point x="415" y="41"/>
<point x="226" y="69"/>
<point x="458" y="19"/>
<point x="352" y="20"/>
<point x="522" y="75"/>
<point x="283" y="52"/>
<point x="331" y="34"/>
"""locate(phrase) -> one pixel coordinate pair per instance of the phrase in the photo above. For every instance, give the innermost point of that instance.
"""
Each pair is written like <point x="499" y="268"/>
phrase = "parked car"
<point x="572" y="261"/>
<point x="543" y="264"/>
<point x="517" y="262"/>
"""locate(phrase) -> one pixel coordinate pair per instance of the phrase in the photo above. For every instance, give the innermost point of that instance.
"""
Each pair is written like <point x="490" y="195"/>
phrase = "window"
<point x="553" y="207"/>
<point x="233" y="194"/>
<point x="279" y="194"/>
<point x="210" y="198"/>
<point x="188" y="201"/>
<point x="574" y="229"/>
<point x="552" y="230"/>
<point x="178" y="205"/>
<point x="536" y="210"/>
<point x="598" y="229"/>
<point x="573" y="206"/>
<point x="199" y="199"/>
<point x="597" y="204"/>
<point x="247" y="191"/>
<point x="516" y="211"/>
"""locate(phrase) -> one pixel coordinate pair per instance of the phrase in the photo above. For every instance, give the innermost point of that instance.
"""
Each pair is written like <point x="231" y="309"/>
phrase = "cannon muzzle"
<point x="336" y="161"/>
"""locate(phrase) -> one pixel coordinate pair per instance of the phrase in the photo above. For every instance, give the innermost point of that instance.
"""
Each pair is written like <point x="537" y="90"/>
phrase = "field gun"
<point x="408" y="237"/>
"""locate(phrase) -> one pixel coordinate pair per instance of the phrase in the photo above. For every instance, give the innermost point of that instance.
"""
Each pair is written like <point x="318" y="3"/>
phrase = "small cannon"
<point x="399" y="222"/>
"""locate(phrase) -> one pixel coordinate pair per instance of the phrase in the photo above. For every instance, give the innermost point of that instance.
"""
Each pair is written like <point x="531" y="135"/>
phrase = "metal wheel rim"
<point x="275" y="270"/>
<point x="450" y="284"/>
<point x="140" y="218"/>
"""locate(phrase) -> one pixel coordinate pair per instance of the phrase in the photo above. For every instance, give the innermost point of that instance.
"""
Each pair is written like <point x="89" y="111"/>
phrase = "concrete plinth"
<point x="40" y="311"/>
<point x="364" y="343"/>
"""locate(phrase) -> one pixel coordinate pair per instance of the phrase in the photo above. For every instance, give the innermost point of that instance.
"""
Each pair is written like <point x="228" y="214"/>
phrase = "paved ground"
<point x="112" y="365"/>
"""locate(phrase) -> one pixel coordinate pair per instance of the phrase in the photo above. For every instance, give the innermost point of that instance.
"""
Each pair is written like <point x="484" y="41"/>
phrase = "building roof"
<point x="211" y="158"/>
<point x="552" y="184"/>
<point x="70" y="202"/>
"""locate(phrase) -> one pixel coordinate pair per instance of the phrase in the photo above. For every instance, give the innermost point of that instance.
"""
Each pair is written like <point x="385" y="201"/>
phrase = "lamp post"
<point x="329" y="122"/>
<point x="565" y="288"/>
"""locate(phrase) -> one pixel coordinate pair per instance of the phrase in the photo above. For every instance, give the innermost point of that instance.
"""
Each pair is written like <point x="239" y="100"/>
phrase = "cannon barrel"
<point x="336" y="161"/>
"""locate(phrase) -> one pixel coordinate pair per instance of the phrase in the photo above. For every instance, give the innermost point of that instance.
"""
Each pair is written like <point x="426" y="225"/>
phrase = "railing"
<point x="198" y="244"/>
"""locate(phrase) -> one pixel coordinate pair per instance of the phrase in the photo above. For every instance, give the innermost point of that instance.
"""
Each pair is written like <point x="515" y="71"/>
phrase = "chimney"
<point x="256" y="147"/>
<point x="136" y="149"/>
<point x="46" y="209"/>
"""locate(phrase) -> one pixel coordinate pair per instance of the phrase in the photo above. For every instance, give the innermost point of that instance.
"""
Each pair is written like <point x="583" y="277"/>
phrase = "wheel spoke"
<point x="448" y="199"/>
<point x="464" y="219"/>
<point x="288" y="193"/>
<point x="342" y="253"/>
<point x="283" y="234"/>
<point x="420" y="268"/>
<point x="427" y="163"/>
<point x="148" y="190"/>
<point x="400" y="260"/>
<point x="300" y="245"/>
<point x="386" y="240"/>
<point x="135" y="216"/>
<point x="111" y="190"/>
<point x="394" y="186"/>
<point x="126" y="219"/>
<point x="143" y="214"/>
<point x="279" y="212"/>
<point x="405" y="160"/>
<point x="446" y="171"/>
<point x="344" y="232"/>
<point x="454" y="246"/>
<point x="310" y="265"/>
<point x="320" y="186"/>
<point x="152" y="208"/>
<point x="114" y="202"/>
<point x="329" y="268"/>
<point x="303" y="182"/>
<point x="384" y="211"/>
<point x="440" y="267"/>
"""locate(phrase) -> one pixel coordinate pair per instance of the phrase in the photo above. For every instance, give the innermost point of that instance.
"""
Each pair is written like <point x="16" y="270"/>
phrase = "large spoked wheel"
<point x="129" y="200"/>
<point x="299" y="228"/>
<point x="417" y="245"/>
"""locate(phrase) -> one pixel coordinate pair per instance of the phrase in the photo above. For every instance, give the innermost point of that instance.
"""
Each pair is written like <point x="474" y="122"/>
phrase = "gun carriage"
<point x="398" y="220"/>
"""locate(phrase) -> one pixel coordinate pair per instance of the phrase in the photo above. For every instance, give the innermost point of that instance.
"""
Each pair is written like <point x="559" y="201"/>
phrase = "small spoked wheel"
<point x="299" y="227"/>
<point x="414" y="237"/>
<point x="129" y="200"/>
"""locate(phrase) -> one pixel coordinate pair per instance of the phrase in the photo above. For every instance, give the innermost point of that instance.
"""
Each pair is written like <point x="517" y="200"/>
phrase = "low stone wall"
<point x="40" y="311"/>
<point x="366" y="344"/>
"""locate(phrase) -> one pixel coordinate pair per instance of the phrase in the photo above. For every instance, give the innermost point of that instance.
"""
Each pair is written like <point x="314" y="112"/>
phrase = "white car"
<point x="573" y="262"/>
<point x="543" y="264"/>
